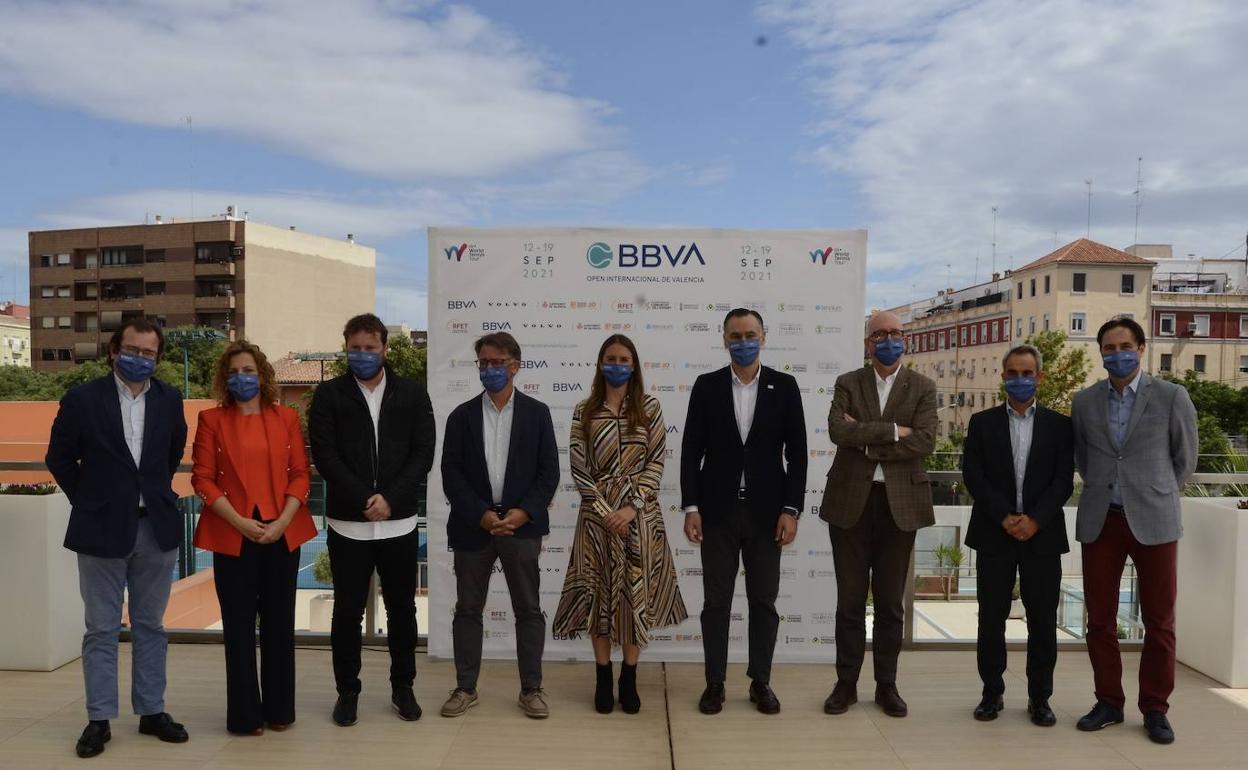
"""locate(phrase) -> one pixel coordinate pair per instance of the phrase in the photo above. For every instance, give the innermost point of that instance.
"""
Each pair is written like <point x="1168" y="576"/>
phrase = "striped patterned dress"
<point x="619" y="587"/>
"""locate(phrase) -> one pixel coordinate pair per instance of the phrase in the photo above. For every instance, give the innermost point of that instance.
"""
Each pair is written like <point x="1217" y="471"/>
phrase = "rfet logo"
<point x="645" y="255"/>
<point x="820" y="256"/>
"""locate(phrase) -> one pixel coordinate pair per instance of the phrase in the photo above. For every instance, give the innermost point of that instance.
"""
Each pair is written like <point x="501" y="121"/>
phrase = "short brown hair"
<point x="368" y="323"/>
<point x="142" y="325"/>
<point x="268" y="378"/>
<point x="1124" y="322"/>
<point x="501" y="340"/>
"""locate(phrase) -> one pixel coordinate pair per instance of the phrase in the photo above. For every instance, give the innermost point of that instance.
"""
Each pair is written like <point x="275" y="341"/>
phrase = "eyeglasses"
<point x="882" y="335"/>
<point x="137" y="351"/>
<point x="490" y="363"/>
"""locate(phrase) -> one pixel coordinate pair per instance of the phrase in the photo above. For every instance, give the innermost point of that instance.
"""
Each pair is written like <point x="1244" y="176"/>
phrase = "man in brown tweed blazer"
<point x="883" y="422"/>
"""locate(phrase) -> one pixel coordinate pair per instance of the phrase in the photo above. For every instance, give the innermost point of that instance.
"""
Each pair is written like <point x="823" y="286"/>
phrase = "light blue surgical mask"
<point x="1121" y="363"/>
<point x="616" y="374"/>
<point x="134" y="368"/>
<point x="243" y="387"/>
<point x="494" y="378"/>
<point x="744" y="352"/>
<point x="364" y="363"/>
<point x="1021" y="389"/>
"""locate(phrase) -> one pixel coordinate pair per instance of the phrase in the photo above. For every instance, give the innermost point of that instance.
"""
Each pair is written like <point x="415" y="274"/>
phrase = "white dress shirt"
<point x="883" y="387"/>
<point x="133" y="418"/>
<point x="496" y="434"/>
<point x="744" y="399"/>
<point x="1021" y="428"/>
<point x="373" y="530"/>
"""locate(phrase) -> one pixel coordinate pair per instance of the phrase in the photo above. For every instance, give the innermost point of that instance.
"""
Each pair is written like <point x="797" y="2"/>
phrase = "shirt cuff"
<point x="791" y="511"/>
<point x="896" y="437"/>
<point x="691" y="509"/>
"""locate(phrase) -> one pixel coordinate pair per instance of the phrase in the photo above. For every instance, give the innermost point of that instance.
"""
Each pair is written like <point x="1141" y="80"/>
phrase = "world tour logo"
<point x="820" y="256"/>
<point x="456" y="253"/>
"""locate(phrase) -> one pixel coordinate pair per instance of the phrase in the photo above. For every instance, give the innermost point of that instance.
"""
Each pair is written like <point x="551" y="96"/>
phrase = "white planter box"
<point x="40" y="603"/>
<point x="1211" y="614"/>
<point x="321" y="612"/>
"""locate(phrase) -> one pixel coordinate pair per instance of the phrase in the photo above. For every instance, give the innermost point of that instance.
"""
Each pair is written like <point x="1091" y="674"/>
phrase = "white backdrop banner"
<point x="561" y="292"/>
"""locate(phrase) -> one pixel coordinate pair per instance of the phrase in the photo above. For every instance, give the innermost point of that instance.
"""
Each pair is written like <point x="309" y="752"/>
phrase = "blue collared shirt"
<point x="1120" y="406"/>
<point x="1021" y="430"/>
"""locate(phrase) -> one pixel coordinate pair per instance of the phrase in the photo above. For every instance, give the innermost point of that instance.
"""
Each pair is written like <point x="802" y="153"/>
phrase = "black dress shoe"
<point x="1101" y="716"/>
<point x="889" y="699"/>
<point x="345" y="708"/>
<point x="712" y="700"/>
<point x="1158" y="727"/>
<point x="93" y="738"/>
<point x="762" y="697"/>
<point x="163" y="727"/>
<point x="1041" y="714"/>
<point x="843" y="696"/>
<point x="989" y="708"/>
<point x="404" y="702"/>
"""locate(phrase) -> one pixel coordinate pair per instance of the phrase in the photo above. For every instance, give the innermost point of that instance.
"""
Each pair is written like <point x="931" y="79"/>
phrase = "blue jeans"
<point x="146" y="573"/>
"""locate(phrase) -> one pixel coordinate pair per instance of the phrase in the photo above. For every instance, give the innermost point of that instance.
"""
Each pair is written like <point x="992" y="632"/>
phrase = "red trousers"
<point x="1103" y="562"/>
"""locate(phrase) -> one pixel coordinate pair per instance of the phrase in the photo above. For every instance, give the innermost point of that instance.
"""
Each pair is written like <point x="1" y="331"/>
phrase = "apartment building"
<point x="959" y="337"/>
<point x="282" y="289"/>
<point x="14" y="334"/>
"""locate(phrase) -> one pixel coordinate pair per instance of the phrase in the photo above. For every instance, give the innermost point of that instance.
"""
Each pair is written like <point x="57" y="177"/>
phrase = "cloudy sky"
<point x="382" y="117"/>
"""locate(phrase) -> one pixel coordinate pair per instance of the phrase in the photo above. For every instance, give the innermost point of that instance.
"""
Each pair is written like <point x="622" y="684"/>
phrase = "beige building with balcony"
<point x="282" y="289"/>
<point x="14" y="334"/>
<point x="959" y="337"/>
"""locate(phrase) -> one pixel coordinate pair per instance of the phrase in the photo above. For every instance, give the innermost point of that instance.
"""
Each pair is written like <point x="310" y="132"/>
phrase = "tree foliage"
<point x="1065" y="370"/>
<point x="404" y="358"/>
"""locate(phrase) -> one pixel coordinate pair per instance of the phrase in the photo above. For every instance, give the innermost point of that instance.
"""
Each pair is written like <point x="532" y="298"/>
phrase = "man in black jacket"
<point x="372" y="436"/>
<point x="500" y="470"/>
<point x="1018" y="463"/>
<point x="742" y="482"/>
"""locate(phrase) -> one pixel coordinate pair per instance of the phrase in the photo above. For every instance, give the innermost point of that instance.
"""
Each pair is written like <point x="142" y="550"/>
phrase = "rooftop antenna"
<point x="994" y="239"/>
<point x="190" y="154"/>
<point x="1139" y="188"/>
<point x="1088" y="182"/>
<point x="975" y="277"/>
<point x="1055" y="238"/>
<point x="948" y="275"/>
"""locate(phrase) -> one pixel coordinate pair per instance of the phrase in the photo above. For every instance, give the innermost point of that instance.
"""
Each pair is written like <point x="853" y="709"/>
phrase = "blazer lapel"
<point x="762" y="401"/>
<point x="279" y="452"/>
<point x="112" y="416"/>
<point x="476" y="437"/>
<point x="1100" y="406"/>
<point x="870" y="394"/>
<point x="228" y="441"/>
<point x="728" y="399"/>
<point x="1039" y="446"/>
<point x="899" y="394"/>
<point x="1137" y="409"/>
<point x="513" y="441"/>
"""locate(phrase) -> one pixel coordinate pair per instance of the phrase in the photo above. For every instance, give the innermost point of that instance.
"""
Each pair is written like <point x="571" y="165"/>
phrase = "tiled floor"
<point x="42" y="714"/>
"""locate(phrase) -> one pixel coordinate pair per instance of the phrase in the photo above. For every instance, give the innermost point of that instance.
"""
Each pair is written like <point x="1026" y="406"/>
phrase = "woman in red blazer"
<point x="251" y="471"/>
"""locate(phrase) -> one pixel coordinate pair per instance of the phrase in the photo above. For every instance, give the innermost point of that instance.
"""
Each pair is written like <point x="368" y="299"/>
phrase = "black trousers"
<point x="353" y="563"/>
<point x="260" y="581"/>
<point x="519" y="557"/>
<point x="1040" y="580"/>
<point x="729" y="536"/>
<point x="873" y="555"/>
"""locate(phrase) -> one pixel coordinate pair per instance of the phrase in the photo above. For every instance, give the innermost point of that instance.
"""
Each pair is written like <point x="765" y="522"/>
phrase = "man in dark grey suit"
<point x="1135" y="446"/>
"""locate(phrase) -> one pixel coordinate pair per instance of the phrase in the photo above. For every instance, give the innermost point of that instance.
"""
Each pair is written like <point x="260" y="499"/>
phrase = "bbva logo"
<point x="456" y="252"/>
<point x="461" y="304"/>
<point x="495" y="326"/>
<point x="648" y="255"/>
<point x="533" y="364"/>
<point x="567" y="387"/>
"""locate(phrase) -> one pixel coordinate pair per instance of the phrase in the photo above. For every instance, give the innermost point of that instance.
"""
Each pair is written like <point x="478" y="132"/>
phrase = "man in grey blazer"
<point x="1135" y="446"/>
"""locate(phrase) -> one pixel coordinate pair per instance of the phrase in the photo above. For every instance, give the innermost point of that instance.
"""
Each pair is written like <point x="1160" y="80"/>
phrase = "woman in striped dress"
<point x="621" y="581"/>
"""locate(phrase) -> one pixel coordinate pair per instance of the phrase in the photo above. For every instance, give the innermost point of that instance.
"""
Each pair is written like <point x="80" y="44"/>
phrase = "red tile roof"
<point x="1088" y="252"/>
<point x="293" y="371"/>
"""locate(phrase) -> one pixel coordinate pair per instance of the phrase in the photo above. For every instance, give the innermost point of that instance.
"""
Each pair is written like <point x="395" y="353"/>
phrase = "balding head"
<point x="883" y="321"/>
<point x="881" y="328"/>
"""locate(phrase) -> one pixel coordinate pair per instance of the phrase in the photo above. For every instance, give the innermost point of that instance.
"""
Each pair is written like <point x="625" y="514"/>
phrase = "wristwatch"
<point x="796" y="514"/>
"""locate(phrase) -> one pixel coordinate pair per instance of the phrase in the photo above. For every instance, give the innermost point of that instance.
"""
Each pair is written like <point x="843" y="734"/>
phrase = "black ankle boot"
<point x="604" y="698"/>
<point x="629" y="700"/>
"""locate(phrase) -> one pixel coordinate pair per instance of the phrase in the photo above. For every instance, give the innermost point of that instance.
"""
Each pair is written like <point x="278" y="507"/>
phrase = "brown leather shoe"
<point x="889" y="699"/>
<point x="843" y="696"/>
<point x="280" y="727"/>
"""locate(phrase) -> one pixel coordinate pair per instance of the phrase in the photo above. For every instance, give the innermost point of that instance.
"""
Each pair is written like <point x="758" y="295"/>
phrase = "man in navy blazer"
<point x="500" y="470"/>
<point x="115" y="445"/>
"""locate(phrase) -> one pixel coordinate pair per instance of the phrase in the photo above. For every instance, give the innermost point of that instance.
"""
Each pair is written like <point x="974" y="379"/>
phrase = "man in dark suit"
<point x="372" y="436"/>
<point x="1018" y="463"/>
<point x="500" y="470"/>
<point x="742" y="480"/>
<point x="883" y="422"/>
<point x="115" y="445"/>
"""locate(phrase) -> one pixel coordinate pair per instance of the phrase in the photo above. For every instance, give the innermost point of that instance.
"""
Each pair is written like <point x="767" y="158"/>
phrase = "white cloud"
<point x="389" y="88"/>
<point x="938" y="111"/>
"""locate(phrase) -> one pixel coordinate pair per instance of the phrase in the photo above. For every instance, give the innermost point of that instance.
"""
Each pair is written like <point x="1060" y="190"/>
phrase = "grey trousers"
<point x="146" y="573"/>
<point x="519" y="557"/>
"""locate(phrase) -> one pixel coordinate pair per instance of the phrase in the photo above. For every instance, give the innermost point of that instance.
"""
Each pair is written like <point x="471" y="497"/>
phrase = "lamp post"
<point x="188" y="337"/>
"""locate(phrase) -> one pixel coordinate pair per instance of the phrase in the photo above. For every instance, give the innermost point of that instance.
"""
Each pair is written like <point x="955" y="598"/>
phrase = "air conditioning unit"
<point x="1192" y="327"/>
<point x="236" y="251"/>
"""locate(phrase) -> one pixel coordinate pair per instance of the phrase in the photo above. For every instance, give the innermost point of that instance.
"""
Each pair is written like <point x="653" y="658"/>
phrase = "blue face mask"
<point x="494" y="378"/>
<point x="1121" y="363"/>
<point x="134" y="368"/>
<point x="1021" y="389"/>
<point x="888" y="350"/>
<point x="743" y="352"/>
<point x="364" y="364"/>
<point x="616" y="374"/>
<point x="243" y="387"/>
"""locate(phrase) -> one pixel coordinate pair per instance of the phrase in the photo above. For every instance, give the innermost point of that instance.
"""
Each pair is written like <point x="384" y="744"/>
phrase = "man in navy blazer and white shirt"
<point x="115" y="445"/>
<point x="500" y="470"/>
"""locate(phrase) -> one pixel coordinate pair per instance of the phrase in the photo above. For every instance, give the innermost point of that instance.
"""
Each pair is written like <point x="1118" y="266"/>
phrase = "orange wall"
<point x="26" y="425"/>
